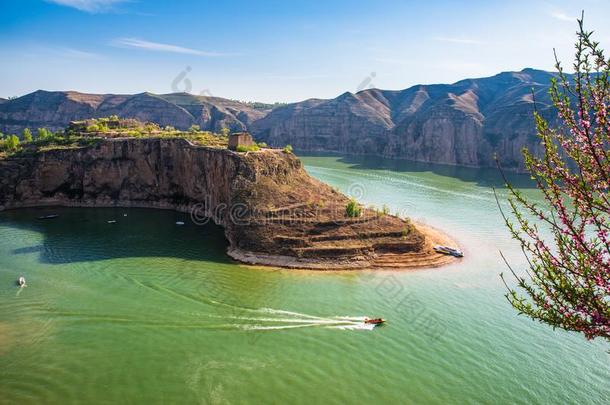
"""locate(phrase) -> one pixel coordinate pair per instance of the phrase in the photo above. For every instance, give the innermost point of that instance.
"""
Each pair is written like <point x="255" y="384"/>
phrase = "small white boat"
<point x="112" y="221"/>
<point x="179" y="223"/>
<point x="446" y="250"/>
<point x="124" y="215"/>
<point x="21" y="281"/>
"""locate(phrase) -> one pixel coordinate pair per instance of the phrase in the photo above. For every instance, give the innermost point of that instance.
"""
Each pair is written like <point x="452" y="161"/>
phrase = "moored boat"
<point x="52" y="216"/>
<point x="446" y="250"/>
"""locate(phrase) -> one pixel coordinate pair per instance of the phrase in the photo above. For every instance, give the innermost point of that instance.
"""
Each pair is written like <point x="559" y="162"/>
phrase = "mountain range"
<point x="464" y="123"/>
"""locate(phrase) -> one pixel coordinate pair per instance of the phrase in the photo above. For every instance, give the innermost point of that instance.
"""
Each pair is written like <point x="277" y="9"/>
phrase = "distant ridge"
<point x="464" y="123"/>
<point x="55" y="109"/>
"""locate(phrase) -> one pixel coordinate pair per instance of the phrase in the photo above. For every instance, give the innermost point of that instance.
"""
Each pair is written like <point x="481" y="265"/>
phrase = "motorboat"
<point x="112" y="221"/>
<point x="52" y="216"/>
<point x="374" y="321"/>
<point x="446" y="250"/>
<point x="179" y="223"/>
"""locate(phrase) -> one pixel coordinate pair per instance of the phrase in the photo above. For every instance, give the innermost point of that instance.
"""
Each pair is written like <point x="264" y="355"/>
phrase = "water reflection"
<point x="484" y="177"/>
<point x="83" y="234"/>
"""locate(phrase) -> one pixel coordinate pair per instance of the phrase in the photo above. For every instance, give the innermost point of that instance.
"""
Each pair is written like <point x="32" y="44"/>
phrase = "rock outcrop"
<point x="272" y="211"/>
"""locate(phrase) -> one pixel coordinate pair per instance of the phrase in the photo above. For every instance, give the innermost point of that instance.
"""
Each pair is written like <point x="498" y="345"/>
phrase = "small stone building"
<point x="240" y="139"/>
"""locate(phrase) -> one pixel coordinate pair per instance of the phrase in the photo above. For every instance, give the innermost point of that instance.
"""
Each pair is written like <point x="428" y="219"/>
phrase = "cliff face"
<point x="272" y="211"/>
<point x="465" y="123"/>
<point x="152" y="173"/>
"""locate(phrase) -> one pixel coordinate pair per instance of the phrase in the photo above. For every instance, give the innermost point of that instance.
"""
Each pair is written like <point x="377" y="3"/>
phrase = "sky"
<point x="279" y="51"/>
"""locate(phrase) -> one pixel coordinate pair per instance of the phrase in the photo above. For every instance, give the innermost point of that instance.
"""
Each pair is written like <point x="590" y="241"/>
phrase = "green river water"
<point x="145" y="311"/>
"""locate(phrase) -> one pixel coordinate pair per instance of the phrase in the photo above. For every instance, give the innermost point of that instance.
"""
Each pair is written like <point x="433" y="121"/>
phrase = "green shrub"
<point x="43" y="133"/>
<point x="103" y="127"/>
<point x="352" y="209"/>
<point x="251" y="148"/>
<point x="194" y="128"/>
<point x="93" y="128"/>
<point x="150" y="127"/>
<point x="262" y="144"/>
<point x="288" y="148"/>
<point x="11" y="143"/>
<point x="27" y="135"/>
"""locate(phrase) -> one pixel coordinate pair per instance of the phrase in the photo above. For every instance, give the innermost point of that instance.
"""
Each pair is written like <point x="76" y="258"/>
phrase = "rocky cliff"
<point x="272" y="211"/>
<point x="465" y="123"/>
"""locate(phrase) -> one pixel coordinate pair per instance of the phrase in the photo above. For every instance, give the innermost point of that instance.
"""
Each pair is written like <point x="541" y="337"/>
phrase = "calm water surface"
<point x="144" y="311"/>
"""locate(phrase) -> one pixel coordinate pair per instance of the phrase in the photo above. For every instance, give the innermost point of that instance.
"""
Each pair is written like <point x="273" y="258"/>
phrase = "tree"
<point x="43" y="134"/>
<point x="567" y="283"/>
<point x="27" y="135"/>
<point x="224" y="131"/>
<point x="194" y="128"/>
<point x="12" y="143"/>
<point x="288" y="148"/>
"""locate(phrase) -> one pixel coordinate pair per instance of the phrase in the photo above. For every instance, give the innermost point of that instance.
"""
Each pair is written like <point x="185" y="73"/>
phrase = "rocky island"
<point x="273" y="213"/>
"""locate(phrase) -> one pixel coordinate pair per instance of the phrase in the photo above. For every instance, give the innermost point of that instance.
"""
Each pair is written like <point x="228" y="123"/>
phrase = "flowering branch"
<point x="568" y="280"/>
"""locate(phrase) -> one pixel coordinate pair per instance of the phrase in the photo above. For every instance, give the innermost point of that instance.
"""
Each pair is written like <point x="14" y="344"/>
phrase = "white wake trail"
<point x="260" y="327"/>
<point x="296" y="320"/>
<point x="280" y="311"/>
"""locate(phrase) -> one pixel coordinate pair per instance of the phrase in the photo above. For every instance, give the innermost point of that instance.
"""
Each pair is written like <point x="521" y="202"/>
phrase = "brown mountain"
<point x="55" y="109"/>
<point x="464" y="123"/>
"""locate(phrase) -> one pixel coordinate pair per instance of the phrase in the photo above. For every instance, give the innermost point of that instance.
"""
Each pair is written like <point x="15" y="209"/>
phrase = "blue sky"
<point x="278" y="50"/>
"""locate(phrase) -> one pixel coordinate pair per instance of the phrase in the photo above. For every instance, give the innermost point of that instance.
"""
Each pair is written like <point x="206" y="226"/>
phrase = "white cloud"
<point x="159" y="47"/>
<point x="457" y="40"/>
<point x="560" y="15"/>
<point x="89" y="6"/>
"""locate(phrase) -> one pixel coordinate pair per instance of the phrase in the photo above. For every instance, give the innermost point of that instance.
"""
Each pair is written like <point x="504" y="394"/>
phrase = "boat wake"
<point x="295" y="320"/>
<point x="248" y="318"/>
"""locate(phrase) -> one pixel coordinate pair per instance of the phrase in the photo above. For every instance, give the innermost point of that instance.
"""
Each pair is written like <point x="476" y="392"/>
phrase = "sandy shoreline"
<point x="425" y="259"/>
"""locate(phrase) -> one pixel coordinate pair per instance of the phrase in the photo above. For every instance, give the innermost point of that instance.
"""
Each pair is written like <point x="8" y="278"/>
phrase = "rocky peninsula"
<point x="273" y="213"/>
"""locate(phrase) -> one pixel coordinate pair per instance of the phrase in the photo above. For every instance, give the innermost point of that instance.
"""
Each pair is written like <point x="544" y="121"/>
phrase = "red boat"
<point x="374" y="321"/>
